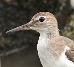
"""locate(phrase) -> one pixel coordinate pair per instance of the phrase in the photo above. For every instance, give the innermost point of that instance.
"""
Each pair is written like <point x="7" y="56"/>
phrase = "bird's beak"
<point x="22" y="27"/>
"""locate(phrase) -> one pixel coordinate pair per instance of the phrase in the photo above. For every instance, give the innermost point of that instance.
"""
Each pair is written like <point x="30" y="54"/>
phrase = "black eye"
<point x="41" y="19"/>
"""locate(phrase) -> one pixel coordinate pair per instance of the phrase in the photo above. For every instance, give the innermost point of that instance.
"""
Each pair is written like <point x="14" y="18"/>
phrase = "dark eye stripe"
<point x="41" y="19"/>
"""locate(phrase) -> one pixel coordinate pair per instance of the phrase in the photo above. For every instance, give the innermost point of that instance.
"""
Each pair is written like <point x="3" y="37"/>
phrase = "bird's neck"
<point x="46" y="36"/>
<point x="50" y="33"/>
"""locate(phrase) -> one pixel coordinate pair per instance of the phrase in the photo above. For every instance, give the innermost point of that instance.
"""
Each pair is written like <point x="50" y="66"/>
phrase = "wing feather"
<point x="70" y="44"/>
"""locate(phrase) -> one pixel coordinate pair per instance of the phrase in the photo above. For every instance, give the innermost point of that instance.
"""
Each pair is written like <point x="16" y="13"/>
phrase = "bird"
<point x="53" y="49"/>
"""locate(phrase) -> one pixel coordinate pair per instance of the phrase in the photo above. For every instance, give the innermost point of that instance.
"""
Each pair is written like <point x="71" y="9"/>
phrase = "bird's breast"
<point x="44" y="52"/>
<point x="46" y="56"/>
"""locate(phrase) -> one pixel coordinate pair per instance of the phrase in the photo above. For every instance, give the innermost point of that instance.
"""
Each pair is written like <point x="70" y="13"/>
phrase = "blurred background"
<point x="19" y="49"/>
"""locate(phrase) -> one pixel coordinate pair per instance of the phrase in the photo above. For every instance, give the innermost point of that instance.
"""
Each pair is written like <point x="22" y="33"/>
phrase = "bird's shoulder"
<point x="63" y="41"/>
<point x="59" y="43"/>
<point x="70" y="43"/>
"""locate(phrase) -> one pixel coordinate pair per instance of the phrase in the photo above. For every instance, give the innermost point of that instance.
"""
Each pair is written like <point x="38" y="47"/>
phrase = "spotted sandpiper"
<point x="53" y="50"/>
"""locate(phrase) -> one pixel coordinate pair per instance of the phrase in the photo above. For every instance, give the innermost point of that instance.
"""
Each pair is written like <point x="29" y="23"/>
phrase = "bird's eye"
<point x="41" y="19"/>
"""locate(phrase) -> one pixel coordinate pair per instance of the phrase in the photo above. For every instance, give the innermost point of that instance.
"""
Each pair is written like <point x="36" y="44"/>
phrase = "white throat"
<point x="45" y="55"/>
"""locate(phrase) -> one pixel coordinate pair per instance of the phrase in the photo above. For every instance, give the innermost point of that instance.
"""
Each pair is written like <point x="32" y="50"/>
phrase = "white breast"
<point x="46" y="58"/>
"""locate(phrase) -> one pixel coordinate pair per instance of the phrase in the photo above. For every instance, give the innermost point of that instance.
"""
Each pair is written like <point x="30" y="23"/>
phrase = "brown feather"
<point x="59" y="43"/>
<point x="70" y="44"/>
<point x="70" y="55"/>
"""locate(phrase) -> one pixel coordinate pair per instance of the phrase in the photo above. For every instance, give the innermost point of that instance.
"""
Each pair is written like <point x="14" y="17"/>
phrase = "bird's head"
<point x="42" y="21"/>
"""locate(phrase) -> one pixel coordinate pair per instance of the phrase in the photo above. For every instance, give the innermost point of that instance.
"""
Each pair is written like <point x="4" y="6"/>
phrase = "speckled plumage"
<point x="53" y="50"/>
